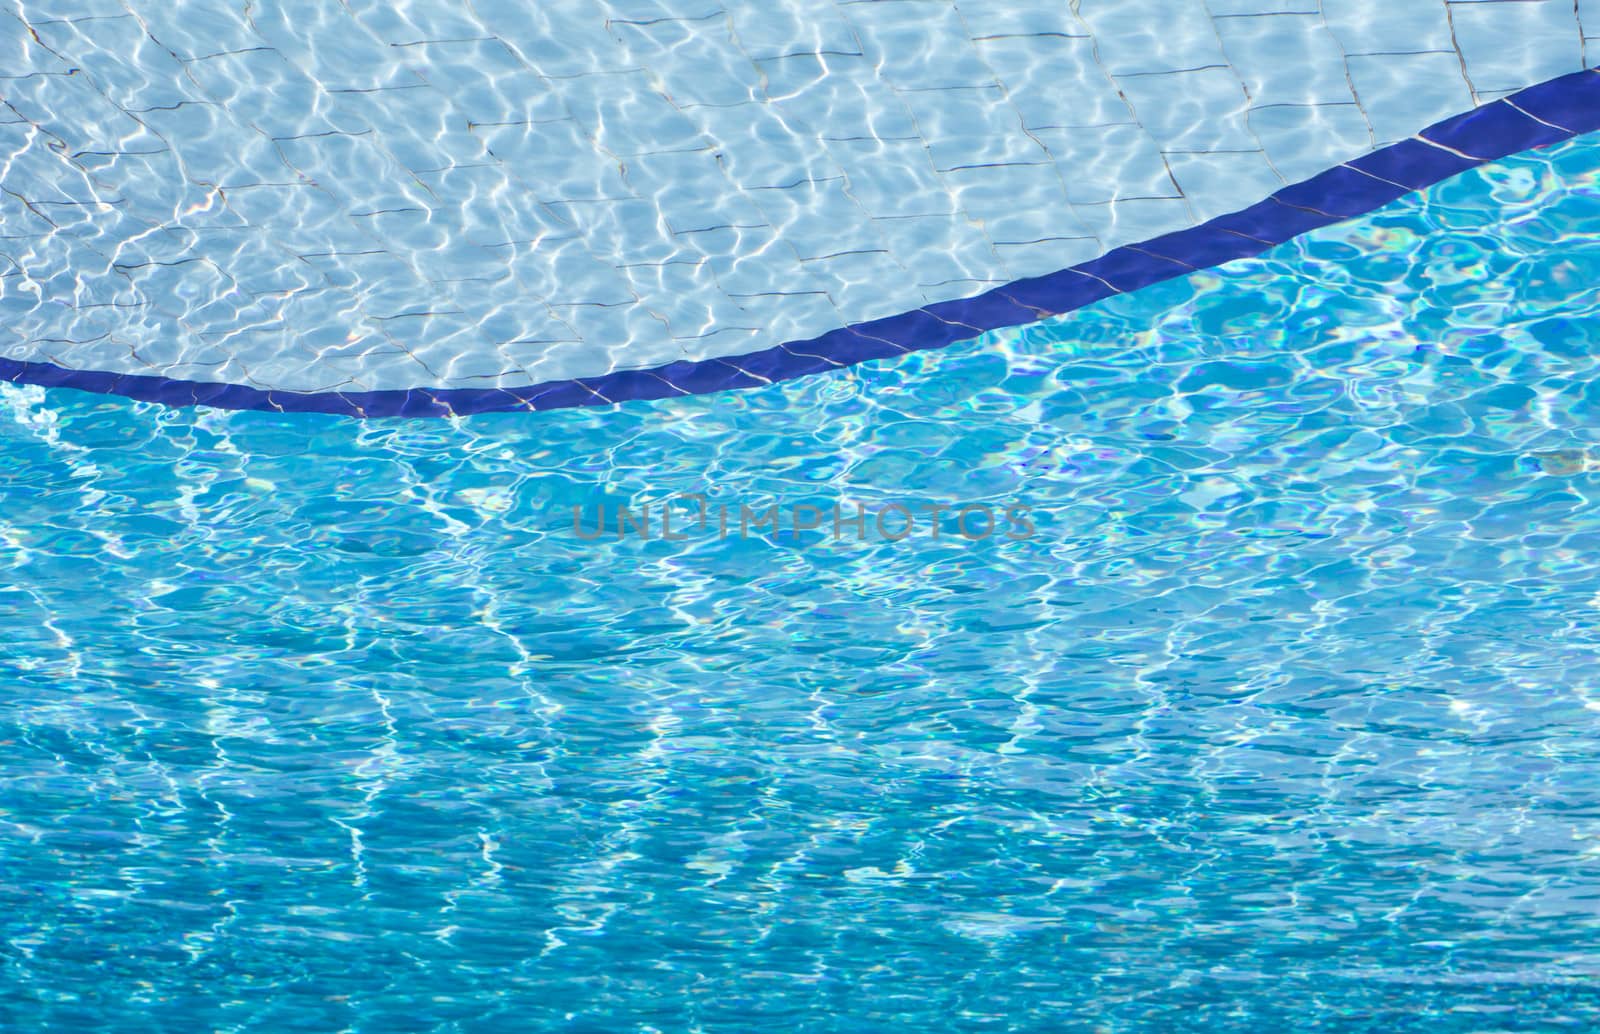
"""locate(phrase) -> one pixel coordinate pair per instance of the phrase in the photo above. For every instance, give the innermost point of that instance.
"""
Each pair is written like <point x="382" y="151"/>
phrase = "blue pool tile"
<point x="1571" y="102"/>
<point x="424" y="402"/>
<point x="452" y="402"/>
<point x="108" y="383"/>
<point x="968" y="329"/>
<point x="358" y="404"/>
<point x="431" y="402"/>
<point x="1057" y="292"/>
<point x="1493" y="131"/>
<point x="152" y="389"/>
<point x="562" y="394"/>
<point x="834" y="347"/>
<point x="1412" y="163"/>
<point x="914" y="330"/>
<point x="466" y="401"/>
<point x="988" y="311"/>
<point x="632" y="385"/>
<point x="92" y="380"/>
<point x="52" y="376"/>
<point x="765" y="366"/>
<point x="1204" y="246"/>
<point x="861" y="348"/>
<point x="304" y="402"/>
<point x="1128" y="269"/>
<point x="168" y="393"/>
<point x="723" y="375"/>
<point x="374" y="403"/>
<point x="1273" y="221"/>
<point x="802" y="363"/>
<point x="1341" y="191"/>
<point x="752" y="370"/>
<point x="348" y="405"/>
<point x="239" y="396"/>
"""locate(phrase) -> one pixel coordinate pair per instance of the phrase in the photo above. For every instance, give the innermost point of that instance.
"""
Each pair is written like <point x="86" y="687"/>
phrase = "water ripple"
<point x="1282" y="718"/>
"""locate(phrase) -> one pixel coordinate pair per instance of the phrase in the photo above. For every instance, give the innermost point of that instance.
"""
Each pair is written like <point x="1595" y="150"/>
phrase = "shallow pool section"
<point x="353" y="201"/>
<point x="1281" y="714"/>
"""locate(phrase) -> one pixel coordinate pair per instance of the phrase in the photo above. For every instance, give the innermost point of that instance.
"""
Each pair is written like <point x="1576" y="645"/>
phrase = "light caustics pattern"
<point x="511" y="205"/>
<point x="1283" y="720"/>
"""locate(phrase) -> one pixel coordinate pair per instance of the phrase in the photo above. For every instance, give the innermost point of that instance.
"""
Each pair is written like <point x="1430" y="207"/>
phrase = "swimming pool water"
<point x="1283" y="717"/>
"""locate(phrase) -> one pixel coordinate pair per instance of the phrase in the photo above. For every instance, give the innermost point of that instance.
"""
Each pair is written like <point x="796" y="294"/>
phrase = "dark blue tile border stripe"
<point x="1544" y="114"/>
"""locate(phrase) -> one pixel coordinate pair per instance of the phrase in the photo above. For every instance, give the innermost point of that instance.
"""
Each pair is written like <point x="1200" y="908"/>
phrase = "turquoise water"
<point x="1278" y="709"/>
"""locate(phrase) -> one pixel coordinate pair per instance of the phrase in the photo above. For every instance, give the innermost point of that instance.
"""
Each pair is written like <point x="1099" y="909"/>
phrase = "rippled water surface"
<point x="1284" y="716"/>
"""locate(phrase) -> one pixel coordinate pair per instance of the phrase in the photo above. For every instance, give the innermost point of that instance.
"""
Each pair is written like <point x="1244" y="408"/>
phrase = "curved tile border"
<point x="1548" y="113"/>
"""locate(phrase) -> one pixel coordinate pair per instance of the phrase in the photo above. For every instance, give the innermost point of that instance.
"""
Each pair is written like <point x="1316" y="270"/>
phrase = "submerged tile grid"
<point x="372" y="197"/>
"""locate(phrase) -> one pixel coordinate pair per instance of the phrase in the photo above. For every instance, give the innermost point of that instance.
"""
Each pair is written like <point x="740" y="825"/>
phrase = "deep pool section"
<point x="1284" y="717"/>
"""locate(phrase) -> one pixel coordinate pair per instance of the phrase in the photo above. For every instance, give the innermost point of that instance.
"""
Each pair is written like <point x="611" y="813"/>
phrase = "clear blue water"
<point x="1286" y="715"/>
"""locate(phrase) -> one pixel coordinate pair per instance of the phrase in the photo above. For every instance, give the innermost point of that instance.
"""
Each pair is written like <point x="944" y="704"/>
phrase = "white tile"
<point x="1015" y="203"/>
<point x="72" y="111"/>
<point x="748" y="260"/>
<point x="939" y="249"/>
<point x="1055" y="80"/>
<point x="1152" y="35"/>
<point x="678" y="183"/>
<point x="778" y="29"/>
<point x="836" y="97"/>
<point x="1286" y="59"/>
<point x="21" y="54"/>
<point x="1405" y="93"/>
<point x="697" y="62"/>
<point x="52" y="10"/>
<point x="621" y="231"/>
<point x="1036" y="258"/>
<point x="627" y="114"/>
<point x="1222" y="10"/>
<point x="1104" y="163"/>
<point x="417" y="126"/>
<point x="630" y="337"/>
<point x="656" y="10"/>
<point x="132" y="70"/>
<point x="525" y="322"/>
<point x="1305" y="140"/>
<point x="860" y="283"/>
<point x="757" y="146"/>
<point x="972" y="127"/>
<point x="555" y="161"/>
<point x="264" y="91"/>
<point x="1200" y="110"/>
<point x="329" y="45"/>
<point x="918" y="44"/>
<point x="794" y="315"/>
<point x="486" y="82"/>
<point x="36" y="170"/>
<point x="354" y="168"/>
<point x="1511" y="45"/>
<point x="1127" y="222"/>
<point x="196" y="28"/>
<point x="817" y="218"/>
<point x="559" y="40"/>
<point x="566" y="272"/>
<point x="987" y="19"/>
<point x="1217" y="184"/>
<point x="1386" y="27"/>
<point x="892" y="178"/>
